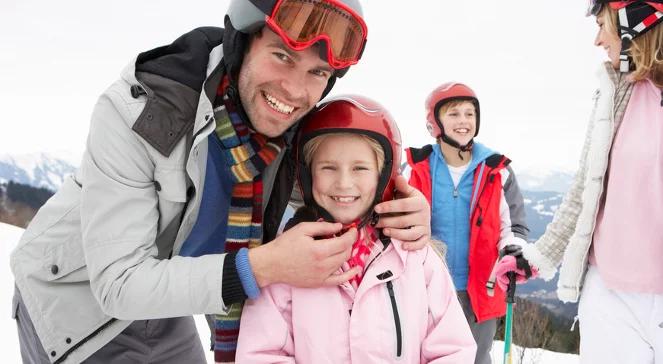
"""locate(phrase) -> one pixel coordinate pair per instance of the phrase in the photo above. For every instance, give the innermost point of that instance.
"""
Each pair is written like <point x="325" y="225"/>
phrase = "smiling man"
<point x="188" y="164"/>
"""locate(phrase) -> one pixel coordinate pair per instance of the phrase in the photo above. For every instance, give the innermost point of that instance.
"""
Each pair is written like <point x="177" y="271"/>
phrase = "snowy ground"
<point x="532" y="356"/>
<point x="9" y="236"/>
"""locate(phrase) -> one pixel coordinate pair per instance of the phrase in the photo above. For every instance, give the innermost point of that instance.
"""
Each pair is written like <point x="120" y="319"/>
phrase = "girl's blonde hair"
<point x="311" y="147"/>
<point x="646" y="50"/>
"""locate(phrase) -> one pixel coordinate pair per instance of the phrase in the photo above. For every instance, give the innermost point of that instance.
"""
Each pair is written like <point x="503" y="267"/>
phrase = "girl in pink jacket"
<point x="400" y="306"/>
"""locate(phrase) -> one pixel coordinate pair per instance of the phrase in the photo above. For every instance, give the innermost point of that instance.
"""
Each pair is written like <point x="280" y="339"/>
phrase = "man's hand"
<point x="407" y="218"/>
<point x="297" y="259"/>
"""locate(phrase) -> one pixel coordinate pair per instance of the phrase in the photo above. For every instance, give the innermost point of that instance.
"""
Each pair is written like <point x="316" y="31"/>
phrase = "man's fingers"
<point x="408" y="204"/>
<point x="417" y="244"/>
<point x="318" y="228"/>
<point x="336" y="279"/>
<point x="402" y="221"/>
<point x="412" y="234"/>
<point x="402" y="187"/>
<point x="414" y="200"/>
<point x="337" y="245"/>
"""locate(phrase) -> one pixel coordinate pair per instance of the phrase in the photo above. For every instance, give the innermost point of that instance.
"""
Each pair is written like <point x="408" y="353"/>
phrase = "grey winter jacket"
<point x="103" y="251"/>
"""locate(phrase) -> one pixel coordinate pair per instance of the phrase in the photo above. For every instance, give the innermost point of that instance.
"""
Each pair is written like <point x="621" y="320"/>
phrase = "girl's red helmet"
<point x="352" y="114"/>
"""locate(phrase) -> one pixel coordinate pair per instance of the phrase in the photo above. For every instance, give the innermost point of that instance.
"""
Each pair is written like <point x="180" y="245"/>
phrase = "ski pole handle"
<point x="511" y="290"/>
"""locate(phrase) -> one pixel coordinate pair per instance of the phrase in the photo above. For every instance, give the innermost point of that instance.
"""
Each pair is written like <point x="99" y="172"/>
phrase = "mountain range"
<point x="36" y="169"/>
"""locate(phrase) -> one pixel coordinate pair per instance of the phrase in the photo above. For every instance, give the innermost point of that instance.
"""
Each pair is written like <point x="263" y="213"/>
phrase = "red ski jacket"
<point x="488" y="232"/>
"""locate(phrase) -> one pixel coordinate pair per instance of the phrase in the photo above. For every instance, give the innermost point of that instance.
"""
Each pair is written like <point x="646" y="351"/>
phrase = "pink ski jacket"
<point x="404" y="311"/>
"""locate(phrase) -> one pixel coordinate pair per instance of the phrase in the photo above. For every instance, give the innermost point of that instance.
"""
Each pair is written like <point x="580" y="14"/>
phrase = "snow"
<point x="26" y="162"/>
<point x="541" y="209"/>
<point x="39" y="169"/>
<point x="9" y="236"/>
<point x="29" y="161"/>
<point x="532" y="356"/>
<point x="544" y="179"/>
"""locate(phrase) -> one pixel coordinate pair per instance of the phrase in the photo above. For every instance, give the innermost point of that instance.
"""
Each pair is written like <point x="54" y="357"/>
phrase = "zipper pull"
<point x="455" y="192"/>
<point x="575" y="320"/>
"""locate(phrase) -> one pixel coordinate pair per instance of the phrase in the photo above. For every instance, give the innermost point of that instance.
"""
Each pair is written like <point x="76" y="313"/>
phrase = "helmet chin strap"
<point x="461" y="148"/>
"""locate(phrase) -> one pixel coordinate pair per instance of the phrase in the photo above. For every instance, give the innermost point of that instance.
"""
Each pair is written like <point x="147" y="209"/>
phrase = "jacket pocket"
<point x="65" y="257"/>
<point x="51" y="248"/>
<point x="66" y="262"/>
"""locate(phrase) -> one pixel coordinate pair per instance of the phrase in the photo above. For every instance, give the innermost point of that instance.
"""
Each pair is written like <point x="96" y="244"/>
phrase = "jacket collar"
<point x="389" y="266"/>
<point x="176" y="105"/>
<point x="479" y="154"/>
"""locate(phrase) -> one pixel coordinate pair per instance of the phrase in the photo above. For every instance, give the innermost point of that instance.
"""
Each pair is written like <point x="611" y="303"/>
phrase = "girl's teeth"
<point x="344" y="199"/>
<point x="278" y="105"/>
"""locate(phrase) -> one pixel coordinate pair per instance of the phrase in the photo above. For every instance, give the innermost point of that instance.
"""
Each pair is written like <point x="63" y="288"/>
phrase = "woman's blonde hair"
<point x="646" y="50"/>
<point x="311" y="147"/>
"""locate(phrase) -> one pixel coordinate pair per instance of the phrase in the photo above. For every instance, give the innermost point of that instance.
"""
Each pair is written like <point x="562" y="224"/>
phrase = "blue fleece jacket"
<point x="450" y="220"/>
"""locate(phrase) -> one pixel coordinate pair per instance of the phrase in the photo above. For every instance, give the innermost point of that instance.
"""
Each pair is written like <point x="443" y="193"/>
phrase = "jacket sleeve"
<point x="448" y="338"/>
<point x="547" y="253"/>
<point x="265" y="333"/>
<point x="120" y="220"/>
<point x="513" y="225"/>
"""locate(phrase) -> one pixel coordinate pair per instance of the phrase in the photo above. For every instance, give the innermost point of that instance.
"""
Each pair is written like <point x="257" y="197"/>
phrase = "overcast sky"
<point x="532" y="63"/>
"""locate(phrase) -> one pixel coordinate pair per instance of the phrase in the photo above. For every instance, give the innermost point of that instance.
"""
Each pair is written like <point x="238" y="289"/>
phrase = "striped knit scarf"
<point x="247" y="153"/>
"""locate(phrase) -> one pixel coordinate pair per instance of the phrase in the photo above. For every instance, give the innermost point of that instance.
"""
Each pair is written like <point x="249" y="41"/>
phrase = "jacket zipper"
<point x="397" y="319"/>
<point x="86" y="339"/>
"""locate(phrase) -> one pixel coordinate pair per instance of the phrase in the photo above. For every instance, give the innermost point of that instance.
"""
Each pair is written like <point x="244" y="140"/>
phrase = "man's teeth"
<point x="462" y="130"/>
<point x="344" y="199"/>
<point x="278" y="105"/>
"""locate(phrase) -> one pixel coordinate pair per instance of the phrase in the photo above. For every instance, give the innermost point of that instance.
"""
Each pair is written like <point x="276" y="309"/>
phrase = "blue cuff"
<point x="246" y="274"/>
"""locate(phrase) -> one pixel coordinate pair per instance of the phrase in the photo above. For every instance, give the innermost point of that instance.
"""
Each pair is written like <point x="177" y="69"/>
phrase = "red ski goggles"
<point x="301" y="23"/>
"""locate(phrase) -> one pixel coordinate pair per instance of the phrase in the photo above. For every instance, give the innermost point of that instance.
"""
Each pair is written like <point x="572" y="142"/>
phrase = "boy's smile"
<point x="459" y="122"/>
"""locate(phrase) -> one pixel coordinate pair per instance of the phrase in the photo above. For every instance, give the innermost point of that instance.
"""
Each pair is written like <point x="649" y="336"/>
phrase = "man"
<point x="187" y="164"/>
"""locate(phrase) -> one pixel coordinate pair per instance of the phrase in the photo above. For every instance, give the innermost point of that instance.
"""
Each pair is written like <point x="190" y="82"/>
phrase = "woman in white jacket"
<point x="607" y="232"/>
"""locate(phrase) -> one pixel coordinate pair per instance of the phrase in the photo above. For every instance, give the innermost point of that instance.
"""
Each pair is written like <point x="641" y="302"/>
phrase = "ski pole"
<point x="508" y="321"/>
